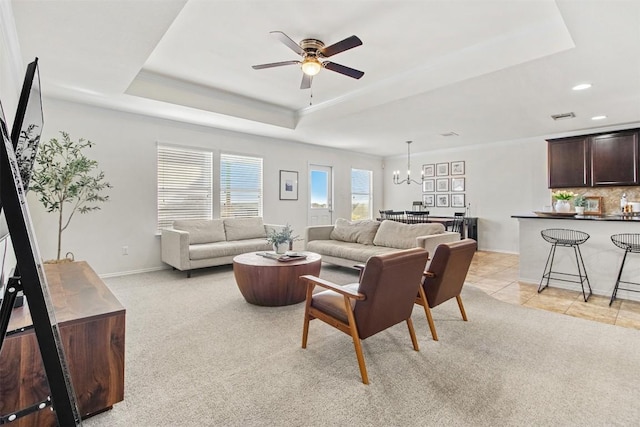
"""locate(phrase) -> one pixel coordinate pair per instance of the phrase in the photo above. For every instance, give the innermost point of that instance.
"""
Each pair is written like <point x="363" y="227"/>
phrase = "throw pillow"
<point x="362" y="231"/>
<point x="394" y="234"/>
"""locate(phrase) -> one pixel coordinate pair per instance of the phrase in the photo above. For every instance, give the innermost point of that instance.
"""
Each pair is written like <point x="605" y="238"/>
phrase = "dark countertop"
<point x="550" y="215"/>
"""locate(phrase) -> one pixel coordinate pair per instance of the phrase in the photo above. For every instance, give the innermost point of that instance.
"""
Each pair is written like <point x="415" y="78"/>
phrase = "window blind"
<point x="184" y="184"/>
<point x="240" y="186"/>
<point x="361" y="194"/>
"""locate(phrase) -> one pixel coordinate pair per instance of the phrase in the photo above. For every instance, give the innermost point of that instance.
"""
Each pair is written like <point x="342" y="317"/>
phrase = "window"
<point x="184" y="184"/>
<point x="361" y="194"/>
<point x="240" y="186"/>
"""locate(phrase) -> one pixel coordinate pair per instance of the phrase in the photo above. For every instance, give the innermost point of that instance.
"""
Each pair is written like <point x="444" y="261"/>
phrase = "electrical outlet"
<point x="125" y="250"/>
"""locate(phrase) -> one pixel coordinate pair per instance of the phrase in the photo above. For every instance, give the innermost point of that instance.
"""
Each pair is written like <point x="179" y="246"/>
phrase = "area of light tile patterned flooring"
<point x="497" y="275"/>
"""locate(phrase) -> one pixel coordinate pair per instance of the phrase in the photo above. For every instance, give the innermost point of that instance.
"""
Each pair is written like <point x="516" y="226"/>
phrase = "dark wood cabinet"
<point x="91" y="322"/>
<point x="614" y="159"/>
<point x="569" y="162"/>
<point x="609" y="159"/>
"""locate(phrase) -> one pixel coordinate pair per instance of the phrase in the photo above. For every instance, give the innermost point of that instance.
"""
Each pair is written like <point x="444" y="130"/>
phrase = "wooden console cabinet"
<point x="91" y="322"/>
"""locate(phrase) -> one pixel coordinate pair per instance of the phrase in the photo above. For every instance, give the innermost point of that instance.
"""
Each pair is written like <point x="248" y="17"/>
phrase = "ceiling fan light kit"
<point x="312" y="52"/>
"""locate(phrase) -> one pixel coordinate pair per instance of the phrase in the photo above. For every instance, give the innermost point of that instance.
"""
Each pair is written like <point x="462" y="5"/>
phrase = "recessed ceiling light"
<point x="598" y="117"/>
<point x="582" y="86"/>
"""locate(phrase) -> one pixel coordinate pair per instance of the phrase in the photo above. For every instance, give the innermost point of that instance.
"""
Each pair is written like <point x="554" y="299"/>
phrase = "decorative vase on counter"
<point x="563" y="206"/>
<point x="580" y="210"/>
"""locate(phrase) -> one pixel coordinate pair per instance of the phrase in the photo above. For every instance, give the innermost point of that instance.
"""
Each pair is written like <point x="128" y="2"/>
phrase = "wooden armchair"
<point x="445" y="277"/>
<point x="383" y="297"/>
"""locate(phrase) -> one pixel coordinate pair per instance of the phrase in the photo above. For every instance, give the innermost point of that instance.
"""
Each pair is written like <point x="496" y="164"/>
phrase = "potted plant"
<point x="562" y="198"/>
<point x="281" y="239"/>
<point x="580" y="202"/>
<point x="66" y="178"/>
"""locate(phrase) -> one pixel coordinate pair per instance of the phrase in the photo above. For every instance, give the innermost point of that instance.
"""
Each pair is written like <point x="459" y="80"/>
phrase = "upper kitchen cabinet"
<point x="614" y="158"/>
<point x="569" y="162"/>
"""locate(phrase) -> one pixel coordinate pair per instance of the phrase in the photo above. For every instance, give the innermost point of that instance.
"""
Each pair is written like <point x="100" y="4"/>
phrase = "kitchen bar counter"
<point x="550" y="215"/>
<point x="601" y="257"/>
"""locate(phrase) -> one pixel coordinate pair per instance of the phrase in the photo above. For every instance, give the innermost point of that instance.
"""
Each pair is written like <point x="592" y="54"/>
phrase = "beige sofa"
<point x="352" y="242"/>
<point x="191" y="244"/>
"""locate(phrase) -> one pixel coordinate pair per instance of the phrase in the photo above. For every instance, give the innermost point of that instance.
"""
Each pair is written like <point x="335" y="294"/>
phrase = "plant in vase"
<point x="562" y="198"/>
<point x="580" y="202"/>
<point x="281" y="239"/>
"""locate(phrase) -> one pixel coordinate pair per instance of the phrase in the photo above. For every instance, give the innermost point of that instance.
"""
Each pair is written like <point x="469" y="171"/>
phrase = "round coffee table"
<point x="268" y="282"/>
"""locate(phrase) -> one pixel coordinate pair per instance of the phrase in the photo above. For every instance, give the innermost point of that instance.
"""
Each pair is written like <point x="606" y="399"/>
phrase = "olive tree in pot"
<point x="67" y="181"/>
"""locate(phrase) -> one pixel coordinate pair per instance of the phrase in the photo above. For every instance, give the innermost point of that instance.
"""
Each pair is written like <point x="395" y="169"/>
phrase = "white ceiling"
<point x="486" y="70"/>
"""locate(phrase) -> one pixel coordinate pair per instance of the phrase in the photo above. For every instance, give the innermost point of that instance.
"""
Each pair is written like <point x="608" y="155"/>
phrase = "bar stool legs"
<point x="565" y="238"/>
<point x="630" y="243"/>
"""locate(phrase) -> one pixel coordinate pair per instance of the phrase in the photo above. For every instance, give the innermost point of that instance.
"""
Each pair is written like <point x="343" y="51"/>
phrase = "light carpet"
<point x="198" y="355"/>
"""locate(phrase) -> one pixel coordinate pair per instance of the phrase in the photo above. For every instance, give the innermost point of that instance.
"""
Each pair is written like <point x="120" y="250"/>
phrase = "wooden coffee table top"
<point x="252" y="258"/>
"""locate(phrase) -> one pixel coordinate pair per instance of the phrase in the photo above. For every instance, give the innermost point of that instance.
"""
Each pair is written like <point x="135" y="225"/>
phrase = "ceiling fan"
<point x="312" y="52"/>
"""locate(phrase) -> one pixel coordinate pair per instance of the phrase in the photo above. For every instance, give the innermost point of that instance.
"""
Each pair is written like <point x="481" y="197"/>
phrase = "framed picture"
<point x="442" y="200"/>
<point x="457" y="200"/>
<point x="442" y="169"/>
<point x="288" y="185"/>
<point x="429" y="170"/>
<point x="457" y="168"/>
<point x="457" y="184"/>
<point x="594" y="205"/>
<point x="429" y="200"/>
<point x="442" y="184"/>
<point x="429" y="186"/>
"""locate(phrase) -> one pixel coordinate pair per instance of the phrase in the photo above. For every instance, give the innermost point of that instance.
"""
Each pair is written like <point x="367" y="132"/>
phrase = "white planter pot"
<point x="580" y="210"/>
<point x="563" y="206"/>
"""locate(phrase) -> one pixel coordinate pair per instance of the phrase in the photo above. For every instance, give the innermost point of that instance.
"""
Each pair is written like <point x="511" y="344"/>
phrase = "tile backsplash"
<point x="610" y="196"/>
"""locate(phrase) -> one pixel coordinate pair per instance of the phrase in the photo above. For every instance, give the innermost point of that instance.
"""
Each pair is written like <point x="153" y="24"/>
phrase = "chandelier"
<point x="408" y="180"/>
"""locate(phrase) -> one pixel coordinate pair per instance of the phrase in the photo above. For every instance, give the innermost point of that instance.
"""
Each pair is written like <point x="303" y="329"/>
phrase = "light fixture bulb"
<point x="311" y="66"/>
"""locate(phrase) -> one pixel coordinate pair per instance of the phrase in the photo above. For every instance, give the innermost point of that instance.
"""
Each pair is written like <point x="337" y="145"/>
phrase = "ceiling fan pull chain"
<point x="310" y="97"/>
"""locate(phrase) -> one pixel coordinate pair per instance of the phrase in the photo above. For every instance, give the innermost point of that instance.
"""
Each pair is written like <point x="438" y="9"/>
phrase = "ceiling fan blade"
<point x="341" y="46"/>
<point x="288" y="42"/>
<point x="351" y="72"/>
<point x="306" y="81"/>
<point x="274" y="64"/>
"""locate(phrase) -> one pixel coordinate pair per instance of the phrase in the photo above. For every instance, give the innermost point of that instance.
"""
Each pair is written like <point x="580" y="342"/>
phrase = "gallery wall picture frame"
<point x="457" y="168"/>
<point x="288" y="185"/>
<point x="593" y="206"/>
<point x="429" y="200"/>
<point x="442" y="185"/>
<point x="442" y="169"/>
<point x="429" y="170"/>
<point x="442" y="200"/>
<point x="429" y="186"/>
<point x="457" y="184"/>
<point x="457" y="200"/>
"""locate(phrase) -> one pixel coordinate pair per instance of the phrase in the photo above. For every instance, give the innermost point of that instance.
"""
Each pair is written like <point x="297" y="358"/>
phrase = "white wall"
<point x="125" y="147"/>
<point x="502" y="179"/>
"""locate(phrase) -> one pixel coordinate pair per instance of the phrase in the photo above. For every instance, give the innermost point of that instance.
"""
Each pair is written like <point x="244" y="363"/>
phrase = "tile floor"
<point x="497" y="274"/>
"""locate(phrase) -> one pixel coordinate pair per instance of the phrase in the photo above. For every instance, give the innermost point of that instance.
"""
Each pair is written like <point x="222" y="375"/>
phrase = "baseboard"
<point x="130" y="272"/>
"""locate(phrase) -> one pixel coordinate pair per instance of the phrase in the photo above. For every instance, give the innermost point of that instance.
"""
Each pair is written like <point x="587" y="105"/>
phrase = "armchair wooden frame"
<point x="350" y="328"/>
<point x="380" y="282"/>
<point x="422" y="300"/>
<point x="445" y="278"/>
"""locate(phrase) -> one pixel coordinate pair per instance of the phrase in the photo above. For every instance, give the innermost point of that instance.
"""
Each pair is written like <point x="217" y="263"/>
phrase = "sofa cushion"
<point x="346" y="250"/>
<point x="244" y="228"/>
<point x="362" y="231"/>
<point x="202" y="230"/>
<point x="398" y="235"/>
<point x="224" y="249"/>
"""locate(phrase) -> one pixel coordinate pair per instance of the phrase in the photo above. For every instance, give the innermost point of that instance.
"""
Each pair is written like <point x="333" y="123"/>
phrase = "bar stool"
<point x="630" y="242"/>
<point x="568" y="239"/>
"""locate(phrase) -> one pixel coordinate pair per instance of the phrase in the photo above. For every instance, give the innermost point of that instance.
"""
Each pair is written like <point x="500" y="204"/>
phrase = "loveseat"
<point x="191" y="244"/>
<point x="352" y="242"/>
